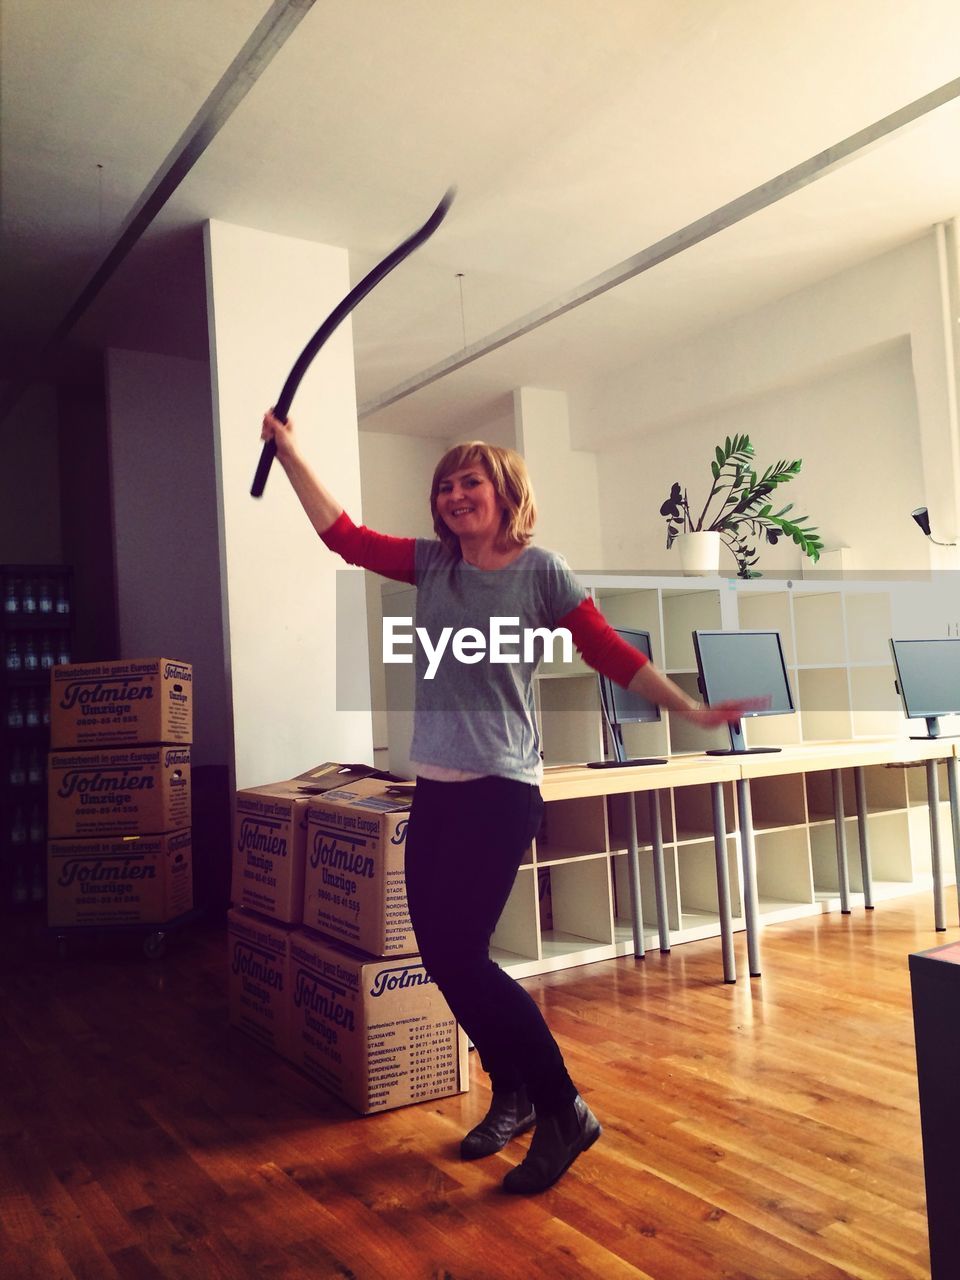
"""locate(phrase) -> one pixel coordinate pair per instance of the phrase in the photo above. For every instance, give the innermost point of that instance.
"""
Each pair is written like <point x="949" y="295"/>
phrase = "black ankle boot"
<point x="558" y="1140"/>
<point x="509" y="1114"/>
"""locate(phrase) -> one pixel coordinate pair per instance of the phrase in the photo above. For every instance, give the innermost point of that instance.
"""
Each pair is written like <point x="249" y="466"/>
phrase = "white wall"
<point x="267" y="295"/>
<point x="166" y="529"/>
<point x="856" y="431"/>
<point x="853" y="375"/>
<point x="29" y="481"/>
<point x="565" y="480"/>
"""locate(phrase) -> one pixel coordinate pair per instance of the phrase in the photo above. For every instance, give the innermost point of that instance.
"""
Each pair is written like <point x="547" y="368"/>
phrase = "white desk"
<point x="567" y="782"/>
<point x="570" y="782"/>
<point x="835" y="757"/>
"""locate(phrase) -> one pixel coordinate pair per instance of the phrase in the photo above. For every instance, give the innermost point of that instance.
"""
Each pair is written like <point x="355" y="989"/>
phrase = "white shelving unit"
<point x="571" y="901"/>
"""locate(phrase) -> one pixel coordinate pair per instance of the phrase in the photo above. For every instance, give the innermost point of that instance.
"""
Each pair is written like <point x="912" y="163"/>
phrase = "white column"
<point x="266" y="296"/>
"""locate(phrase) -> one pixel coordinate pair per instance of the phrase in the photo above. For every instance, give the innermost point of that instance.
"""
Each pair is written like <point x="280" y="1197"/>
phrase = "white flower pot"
<point x="699" y="553"/>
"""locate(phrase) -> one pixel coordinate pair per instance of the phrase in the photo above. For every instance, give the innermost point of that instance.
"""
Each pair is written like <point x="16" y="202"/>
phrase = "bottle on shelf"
<point x="31" y="714"/>
<point x="18" y="827"/>
<point x="13" y="661"/>
<point x="38" y="827"/>
<point x="11" y="602"/>
<point x="45" y="596"/>
<point x="14" y="710"/>
<point x="63" y="600"/>
<point x="31" y="658"/>
<point x="20" y="892"/>
<point x="63" y="651"/>
<point x="28" y="600"/>
<point x="35" y="768"/>
<point x="17" y="773"/>
<point x="47" y="658"/>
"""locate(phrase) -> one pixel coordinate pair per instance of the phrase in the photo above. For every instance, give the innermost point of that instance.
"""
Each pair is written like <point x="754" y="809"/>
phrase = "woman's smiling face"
<point x="468" y="503"/>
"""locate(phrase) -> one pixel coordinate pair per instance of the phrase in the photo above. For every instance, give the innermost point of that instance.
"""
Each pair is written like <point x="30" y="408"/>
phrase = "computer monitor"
<point x="743" y="664"/>
<point x="623" y="706"/>
<point x="928" y="680"/>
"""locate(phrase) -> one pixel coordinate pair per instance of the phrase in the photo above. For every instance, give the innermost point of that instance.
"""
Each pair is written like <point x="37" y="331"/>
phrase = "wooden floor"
<point x="767" y="1129"/>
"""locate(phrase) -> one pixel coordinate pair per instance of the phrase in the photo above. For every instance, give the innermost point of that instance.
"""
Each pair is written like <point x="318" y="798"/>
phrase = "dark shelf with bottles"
<point x="36" y="617"/>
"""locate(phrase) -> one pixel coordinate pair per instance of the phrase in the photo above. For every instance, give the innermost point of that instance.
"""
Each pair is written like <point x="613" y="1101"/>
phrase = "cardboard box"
<point x="269" y="839"/>
<point x="115" y="703"/>
<point x="258" y="978"/>
<point x="123" y="880"/>
<point x="126" y="791"/>
<point x="377" y="1033"/>
<point x="354" y="889"/>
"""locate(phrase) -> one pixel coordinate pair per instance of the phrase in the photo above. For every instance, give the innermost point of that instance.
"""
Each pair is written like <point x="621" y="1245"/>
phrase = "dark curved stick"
<point x="338" y="314"/>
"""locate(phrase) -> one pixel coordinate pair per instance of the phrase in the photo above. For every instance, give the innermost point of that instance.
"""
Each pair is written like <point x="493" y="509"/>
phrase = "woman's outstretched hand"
<point x="725" y="712"/>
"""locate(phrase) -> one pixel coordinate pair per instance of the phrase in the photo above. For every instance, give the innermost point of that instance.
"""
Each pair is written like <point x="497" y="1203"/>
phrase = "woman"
<point x="475" y="746"/>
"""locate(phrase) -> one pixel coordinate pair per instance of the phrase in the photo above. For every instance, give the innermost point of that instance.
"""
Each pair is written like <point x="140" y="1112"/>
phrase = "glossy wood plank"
<point x="764" y="1130"/>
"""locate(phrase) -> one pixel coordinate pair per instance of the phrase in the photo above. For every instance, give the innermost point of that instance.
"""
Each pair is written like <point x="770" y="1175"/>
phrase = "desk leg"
<point x="843" y="875"/>
<point x="933" y="800"/>
<point x="866" y="871"/>
<point x="633" y="867"/>
<point x="659" y="878"/>
<point x="748" y="856"/>
<point x="954" y="816"/>
<point x="723" y="883"/>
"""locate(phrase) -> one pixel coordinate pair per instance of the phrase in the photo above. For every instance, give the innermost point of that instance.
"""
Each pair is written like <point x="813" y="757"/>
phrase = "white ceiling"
<point x="578" y="133"/>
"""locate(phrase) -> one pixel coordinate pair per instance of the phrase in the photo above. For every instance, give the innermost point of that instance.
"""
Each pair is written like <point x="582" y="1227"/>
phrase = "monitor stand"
<point x="622" y="764"/>
<point x="620" y="759"/>
<point x="738" y="745"/>
<point x="933" y="731"/>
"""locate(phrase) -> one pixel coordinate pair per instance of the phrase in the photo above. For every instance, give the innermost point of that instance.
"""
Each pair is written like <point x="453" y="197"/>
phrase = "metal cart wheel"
<point x="154" y="945"/>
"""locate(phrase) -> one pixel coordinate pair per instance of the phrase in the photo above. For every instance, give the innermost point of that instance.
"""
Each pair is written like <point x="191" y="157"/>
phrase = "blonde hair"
<point x="508" y="474"/>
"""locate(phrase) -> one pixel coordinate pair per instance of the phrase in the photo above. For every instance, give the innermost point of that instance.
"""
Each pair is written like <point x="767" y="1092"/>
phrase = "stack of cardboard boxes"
<point x="119" y="850"/>
<point x="323" y="959"/>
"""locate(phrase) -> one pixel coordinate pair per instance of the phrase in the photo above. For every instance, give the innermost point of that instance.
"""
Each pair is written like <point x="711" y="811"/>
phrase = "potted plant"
<point x="738" y="511"/>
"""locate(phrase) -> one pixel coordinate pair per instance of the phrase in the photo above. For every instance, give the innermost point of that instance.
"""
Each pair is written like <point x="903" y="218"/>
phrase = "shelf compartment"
<point x="683" y="613"/>
<point x="823" y="855"/>
<point x="622" y="909"/>
<point x="638" y="609"/>
<point x="697" y="868"/>
<point x="784" y="872"/>
<point x="874" y="702"/>
<point x="773" y="731"/>
<point x="819" y="787"/>
<point x="580" y="914"/>
<point x="891" y="858"/>
<point x="869" y="626"/>
<point x="824" y="698"/>
<point x="645" y="741"/>
<point x="570" y="719"/>
<point x="885" y="787"/>
<point x="778" y="801"/>
<point x="572" y="828"/>
<point x="517" y="935"/>
<point x="693" y="807"/>
<point x="618" y="818"/>
<point x="819" y="624"/>
<point x="769" y="611"/>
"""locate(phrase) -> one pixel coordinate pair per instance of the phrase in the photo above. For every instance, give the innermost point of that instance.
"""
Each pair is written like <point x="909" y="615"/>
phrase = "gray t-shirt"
<point x="479" y="715"/>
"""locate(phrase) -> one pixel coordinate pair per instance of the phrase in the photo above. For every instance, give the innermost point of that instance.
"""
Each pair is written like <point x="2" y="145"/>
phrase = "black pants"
<point x="464" y="845"/>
